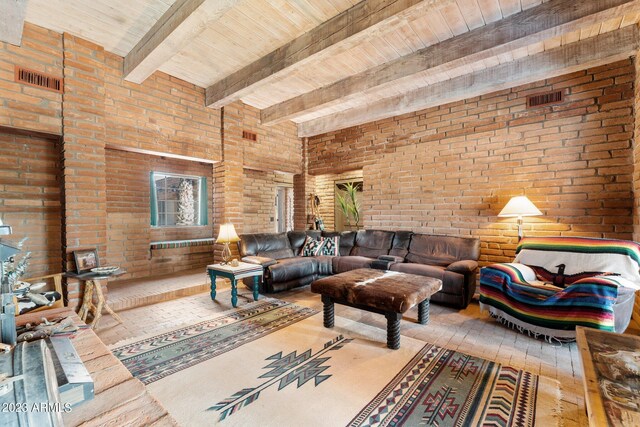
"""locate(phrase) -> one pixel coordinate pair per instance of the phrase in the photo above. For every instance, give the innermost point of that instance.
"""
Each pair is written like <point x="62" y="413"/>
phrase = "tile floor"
<point x="468" y="331"/>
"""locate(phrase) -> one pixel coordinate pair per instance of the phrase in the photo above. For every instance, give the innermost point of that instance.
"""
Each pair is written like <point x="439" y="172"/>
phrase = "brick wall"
<point x="128" y="217"/>
<point x="84" y="221"/>
<point x="450" y="169"/>
<point x="259" y="197"/>
<point x="30" y="184"/>
<point x="29" y="107"/>
<point x="278" y="147"/>
<point x="325" y="189"/>
<point x="164" y="114"/>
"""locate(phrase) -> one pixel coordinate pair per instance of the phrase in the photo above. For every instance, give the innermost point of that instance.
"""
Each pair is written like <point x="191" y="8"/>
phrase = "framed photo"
<point x="86" y="260"/>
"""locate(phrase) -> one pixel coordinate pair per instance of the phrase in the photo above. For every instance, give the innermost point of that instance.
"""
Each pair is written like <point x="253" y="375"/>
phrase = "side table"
<point x="243" y="270"/>
<point x="91" y="285"/>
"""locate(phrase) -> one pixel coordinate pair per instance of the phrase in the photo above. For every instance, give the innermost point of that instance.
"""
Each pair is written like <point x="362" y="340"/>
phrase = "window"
<point x="178" y="200"/>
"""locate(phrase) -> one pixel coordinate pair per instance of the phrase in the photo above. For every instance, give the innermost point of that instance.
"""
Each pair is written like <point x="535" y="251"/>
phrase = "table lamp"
<point x="227" y="235"/>
<point x="518" y="207"/>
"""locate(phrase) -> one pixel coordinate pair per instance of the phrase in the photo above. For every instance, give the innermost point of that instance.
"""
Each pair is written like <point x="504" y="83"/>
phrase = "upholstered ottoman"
<point x="386" y="292"/>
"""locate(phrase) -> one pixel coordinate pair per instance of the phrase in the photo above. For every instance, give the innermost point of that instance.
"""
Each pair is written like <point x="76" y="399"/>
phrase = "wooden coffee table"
<point x="385" y="292"/>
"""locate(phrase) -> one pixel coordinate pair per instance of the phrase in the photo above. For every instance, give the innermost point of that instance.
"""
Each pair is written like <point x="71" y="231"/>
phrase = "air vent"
<point x="251" y="136"/>
<point x="540" y="99"/>
<point x="38" y="79"/>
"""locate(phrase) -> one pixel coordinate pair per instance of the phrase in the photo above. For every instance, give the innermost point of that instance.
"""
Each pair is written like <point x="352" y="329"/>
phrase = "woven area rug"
<point x="272" y="363"/>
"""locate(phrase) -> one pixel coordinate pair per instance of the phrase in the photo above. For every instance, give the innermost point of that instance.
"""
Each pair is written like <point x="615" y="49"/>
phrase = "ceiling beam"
<point x="603" y="49"/>
<point x="338" y="33"/>
<point x="12" y="13"/>
<point x="542" y="22"/>
<point x="180" y="24"/>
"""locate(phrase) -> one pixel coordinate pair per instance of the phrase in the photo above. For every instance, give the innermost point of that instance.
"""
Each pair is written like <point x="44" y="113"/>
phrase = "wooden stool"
<point x="87" y="304"/>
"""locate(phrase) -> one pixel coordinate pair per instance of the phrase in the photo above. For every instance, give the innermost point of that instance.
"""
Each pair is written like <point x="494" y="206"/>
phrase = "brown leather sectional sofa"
<point x="451" y="259"/>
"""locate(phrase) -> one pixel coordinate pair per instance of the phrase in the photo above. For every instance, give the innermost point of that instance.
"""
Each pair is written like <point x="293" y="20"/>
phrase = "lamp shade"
<point x="227" y="234"/>
<point x="519" y="206"/>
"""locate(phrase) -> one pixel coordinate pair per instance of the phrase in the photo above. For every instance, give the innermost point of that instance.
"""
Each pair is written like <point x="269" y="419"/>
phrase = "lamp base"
<point x="226" y="254"/>
<point x="520" y="229"/>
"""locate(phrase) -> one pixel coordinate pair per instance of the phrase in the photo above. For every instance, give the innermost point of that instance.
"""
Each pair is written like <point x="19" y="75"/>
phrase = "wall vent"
<point x="38" y="79"/>
<point x="548" y="98"/>
<point x="251" y="136"/>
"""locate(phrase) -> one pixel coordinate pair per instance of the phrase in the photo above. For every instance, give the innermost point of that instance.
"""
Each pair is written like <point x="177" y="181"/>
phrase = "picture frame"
<point x="86" y="259"/>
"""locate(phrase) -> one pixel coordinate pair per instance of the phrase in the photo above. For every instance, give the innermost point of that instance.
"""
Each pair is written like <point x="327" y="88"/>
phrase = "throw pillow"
<point x="331" y="246"/>
<point x="311" y="247"/>
<point x="563" y="280"/>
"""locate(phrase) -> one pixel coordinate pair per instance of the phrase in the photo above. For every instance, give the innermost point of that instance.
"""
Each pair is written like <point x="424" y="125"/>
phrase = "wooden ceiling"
<point x="330" y="64"/>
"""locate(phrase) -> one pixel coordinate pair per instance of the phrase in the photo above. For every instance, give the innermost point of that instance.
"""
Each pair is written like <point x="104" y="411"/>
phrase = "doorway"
<point x="284" y="209"/>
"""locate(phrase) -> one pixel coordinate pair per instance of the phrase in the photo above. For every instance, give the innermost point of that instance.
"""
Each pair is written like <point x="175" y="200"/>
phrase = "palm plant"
<point x="349" y="204"/>
<point x="343" y="204"/>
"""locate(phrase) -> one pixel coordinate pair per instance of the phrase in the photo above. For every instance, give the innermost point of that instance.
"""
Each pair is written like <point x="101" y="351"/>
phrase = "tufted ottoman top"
<point x="383" y="290"/>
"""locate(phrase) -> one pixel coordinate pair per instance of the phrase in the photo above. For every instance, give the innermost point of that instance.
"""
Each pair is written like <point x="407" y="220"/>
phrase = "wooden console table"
<point x="91" y="285"/>
<point x="611" y="368"/>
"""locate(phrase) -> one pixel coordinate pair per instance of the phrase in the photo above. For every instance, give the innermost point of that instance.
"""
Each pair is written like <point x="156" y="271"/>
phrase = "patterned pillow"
<point x="331" y="246"/>
<point x="311" y="247"/>
<point x="563" y="280"/>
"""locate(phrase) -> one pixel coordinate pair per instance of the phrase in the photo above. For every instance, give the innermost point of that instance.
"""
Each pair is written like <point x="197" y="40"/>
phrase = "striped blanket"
<point x="513" y="294"/>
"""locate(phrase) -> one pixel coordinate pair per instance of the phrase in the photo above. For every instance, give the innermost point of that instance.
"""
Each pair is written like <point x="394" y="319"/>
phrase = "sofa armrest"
<point x="391" y="258"/>
<point x="463" y="267"/>
<point x="260" y="260"/>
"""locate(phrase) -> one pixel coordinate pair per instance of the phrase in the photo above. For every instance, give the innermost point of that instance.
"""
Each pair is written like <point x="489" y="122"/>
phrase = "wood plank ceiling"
<point x="329" y="64"/>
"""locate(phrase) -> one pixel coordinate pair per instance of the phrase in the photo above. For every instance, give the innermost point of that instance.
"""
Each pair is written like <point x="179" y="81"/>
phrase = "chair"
<point x="558" y="283"/>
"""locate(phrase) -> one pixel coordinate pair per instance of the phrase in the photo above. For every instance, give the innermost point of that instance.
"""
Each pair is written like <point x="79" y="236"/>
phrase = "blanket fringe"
<point x="523" y="328"/>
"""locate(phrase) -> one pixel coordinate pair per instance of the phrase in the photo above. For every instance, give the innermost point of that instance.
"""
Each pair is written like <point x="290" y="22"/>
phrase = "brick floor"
<point x="139" y="292"/>
<point x="468" y="331"/>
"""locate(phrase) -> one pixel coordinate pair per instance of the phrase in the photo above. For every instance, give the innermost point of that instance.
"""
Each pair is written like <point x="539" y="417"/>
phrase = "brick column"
<point x="83" y="156"/>
<point x="229" y="175"/>
<point x="303" y="188"/>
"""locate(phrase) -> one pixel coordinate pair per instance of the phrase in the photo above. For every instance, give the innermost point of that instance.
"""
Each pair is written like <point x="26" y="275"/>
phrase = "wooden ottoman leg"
<point x="328" y="312"/>
<point x="423" y="312"/>
<point x="393" y="330"/>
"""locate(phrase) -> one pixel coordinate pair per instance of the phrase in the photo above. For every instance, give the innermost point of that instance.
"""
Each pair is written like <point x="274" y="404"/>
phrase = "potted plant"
<point x="349" y="205"/>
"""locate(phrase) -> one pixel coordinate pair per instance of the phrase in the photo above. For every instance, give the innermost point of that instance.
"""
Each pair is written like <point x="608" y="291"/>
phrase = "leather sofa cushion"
<point x="297" y="238"/>
<point x="400" y="245"/>
<point x="269" y="245"/>
<point x="293" y="268"/>
<point x="347" y="240"/>
<point x="348" y="263"/>
<point x="441" y="250"/>
<point x="451" y="282"/>
<point x="325" y="265"/>
<point x="296" y="241"/>
<point x="372" y="243"/>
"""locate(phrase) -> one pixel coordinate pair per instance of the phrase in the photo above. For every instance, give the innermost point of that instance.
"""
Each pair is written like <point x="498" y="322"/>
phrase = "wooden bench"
<point x="385" y="292"/>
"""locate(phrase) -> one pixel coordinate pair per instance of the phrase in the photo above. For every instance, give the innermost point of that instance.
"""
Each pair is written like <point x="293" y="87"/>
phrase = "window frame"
<point x="202" y="196"/>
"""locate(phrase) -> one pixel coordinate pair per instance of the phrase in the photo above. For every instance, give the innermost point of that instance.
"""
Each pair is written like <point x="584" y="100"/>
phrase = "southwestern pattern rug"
<point x="272" y="363"/>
